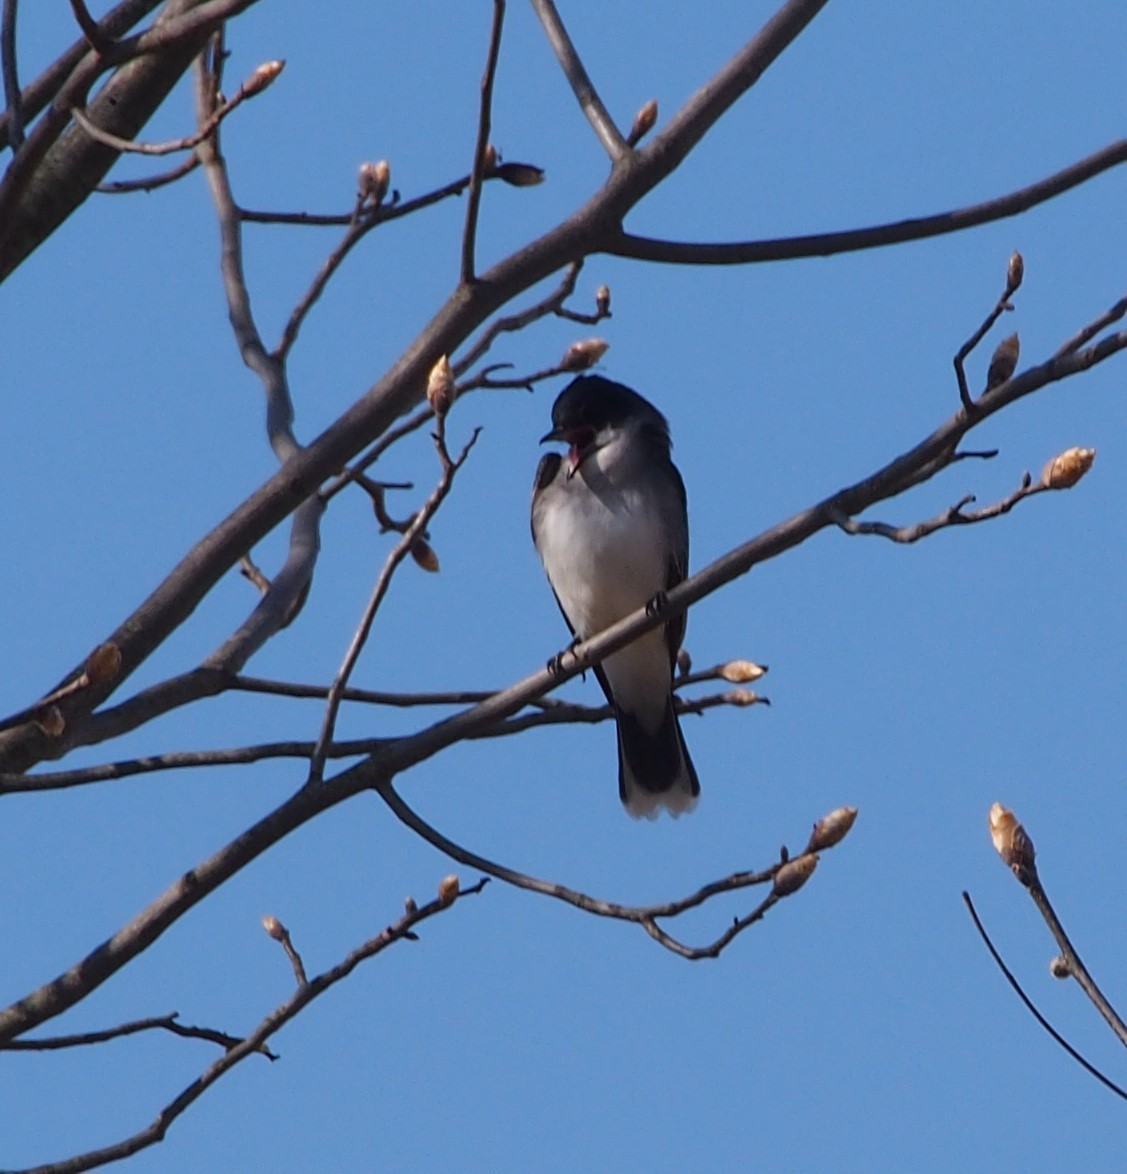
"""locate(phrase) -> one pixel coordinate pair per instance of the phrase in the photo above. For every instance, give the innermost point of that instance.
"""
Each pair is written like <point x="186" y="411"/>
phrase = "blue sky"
<point x="862" y="1025"/>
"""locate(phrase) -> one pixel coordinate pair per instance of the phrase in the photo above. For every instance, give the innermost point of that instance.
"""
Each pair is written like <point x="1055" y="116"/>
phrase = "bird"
<point x="610" y="523"/>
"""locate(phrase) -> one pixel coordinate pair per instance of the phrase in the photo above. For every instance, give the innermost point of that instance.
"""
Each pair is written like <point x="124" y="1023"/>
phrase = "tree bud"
<point x="262" y="77"/>
<point x="274" y="928"/>
<point x="520" y="175"/>
<point x="1063" y="471"/>
<point x="602" y="300"/>
<point x="440" y="387"/>
<point x="581" y="355"/>
<point x="1059" y="967"/>
<point x="1004" y="361"/>
<point x="643" y="122"/>
<point x="448" y="890"/>
<point x="423" y="554"/>
<point x="794" y="874"/>
<point x="1015" y="272"/>
<point x="374" y="179"/>
<point x="1012" y="843"/>
<point x="741" y="672"/>
<point x="832" y="829"/>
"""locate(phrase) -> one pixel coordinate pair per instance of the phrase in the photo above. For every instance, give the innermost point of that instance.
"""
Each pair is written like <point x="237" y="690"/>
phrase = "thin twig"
<point x="91" y="30"/>
<point x="158" y="1023"/>
<point x="398" y="554"/>
<point x="524" y="318"/>
<point x="1076" y="967"/>
<point x="14" y="784"/>
<point x="129" y="146"/>
<point x="828" y="244"/>
<point x="575" y="72"/>
<point x="13" y="98"/>
<point x="1083" y="337"/>
<point x="121" y="187"/>
<point x="282" y="935"/>
<point x="389" y="210"/>
<point x="401" y="930"/>
<point x="1013" y="280"/>
<point x="1088" y="1067"/>
<point x="120" y="19"/>
<point x="548" y="711"/>
<point x="646" y="916"/>
<point x="473" y="201"/>
<point x="956" y="515"/>
<point x="358" y="228"/>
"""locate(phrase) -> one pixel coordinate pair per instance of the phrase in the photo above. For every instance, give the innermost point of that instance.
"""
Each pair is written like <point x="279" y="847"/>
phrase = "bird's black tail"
<point x="654" y="769"/>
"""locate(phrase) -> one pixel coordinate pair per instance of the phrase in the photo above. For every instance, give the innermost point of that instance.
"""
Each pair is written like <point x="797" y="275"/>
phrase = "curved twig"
<point x="828" y="244"/>
<point x="1031" y="1008"/>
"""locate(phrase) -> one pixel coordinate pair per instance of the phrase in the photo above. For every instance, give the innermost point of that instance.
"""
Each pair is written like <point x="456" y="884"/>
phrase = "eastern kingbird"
<point x="610" y="522"/>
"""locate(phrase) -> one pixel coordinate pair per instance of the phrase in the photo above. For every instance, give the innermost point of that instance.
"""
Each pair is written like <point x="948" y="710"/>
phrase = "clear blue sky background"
<point x="862" y="1026"/>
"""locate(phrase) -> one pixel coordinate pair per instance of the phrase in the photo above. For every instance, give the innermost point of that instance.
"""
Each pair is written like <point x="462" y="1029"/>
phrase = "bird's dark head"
<point x="591" y="409"/>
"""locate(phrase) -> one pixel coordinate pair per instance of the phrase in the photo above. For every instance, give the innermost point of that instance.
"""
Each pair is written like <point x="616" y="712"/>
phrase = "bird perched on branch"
<point x="610" y="522"/>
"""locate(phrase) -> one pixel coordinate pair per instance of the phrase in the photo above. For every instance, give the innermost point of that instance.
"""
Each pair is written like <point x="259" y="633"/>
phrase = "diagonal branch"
<point x="55" y="172"/>
<point x="575" y="72"/>
<point x="400" y="930"/>
<point x="925" y="459"/>
<point x="473" y="200"/>
<point x="402" y="548"/>
<point x="1031" y="1007"/>
<point x="590" y="229"/>
<point x="120" y="19"/>
<point x="91" y="30"/>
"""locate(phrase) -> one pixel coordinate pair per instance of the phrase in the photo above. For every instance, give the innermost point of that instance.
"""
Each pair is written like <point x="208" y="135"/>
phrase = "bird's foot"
<point x="555" y="663"/>
<point x="657" y="605"/>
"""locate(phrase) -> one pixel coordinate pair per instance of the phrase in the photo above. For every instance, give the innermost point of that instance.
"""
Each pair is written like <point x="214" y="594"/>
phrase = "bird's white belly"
<point x="607" y="562"/>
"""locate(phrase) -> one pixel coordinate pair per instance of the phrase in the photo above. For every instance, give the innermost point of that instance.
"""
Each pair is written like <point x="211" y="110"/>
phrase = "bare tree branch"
<point x="256" y="1041"/>
<point x="170" y="1023"/>
<point x="1013" y="844"/>
<point x="402" y="385"/>
<point x="53" y="173"/>
<point x="575" y="72"/>
<point x="13" y="99"/>
<point x="955" y="515"/>
<point x="417" y="527"/>
<point x="117" y="21"/>
<point x="150" y="183"/>
<point x="254" y="85"/>
<point x="828" y="244"/>
<point x="1032" y="1009"/>
<point x="91" y="30"/>
<point x="647" y="916"/>
<point x="473" y="201"/>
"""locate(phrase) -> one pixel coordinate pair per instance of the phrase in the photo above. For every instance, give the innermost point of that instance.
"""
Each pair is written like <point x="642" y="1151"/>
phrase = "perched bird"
<point x="609" y="520"/>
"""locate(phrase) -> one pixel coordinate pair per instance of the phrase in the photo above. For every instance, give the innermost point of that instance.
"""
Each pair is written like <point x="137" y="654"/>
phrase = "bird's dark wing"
<point x="545" y="474"/>
<point x="677" y="569"/>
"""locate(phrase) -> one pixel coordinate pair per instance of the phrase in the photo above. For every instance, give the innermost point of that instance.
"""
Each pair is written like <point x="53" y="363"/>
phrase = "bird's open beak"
<point x="580" y="442"/>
